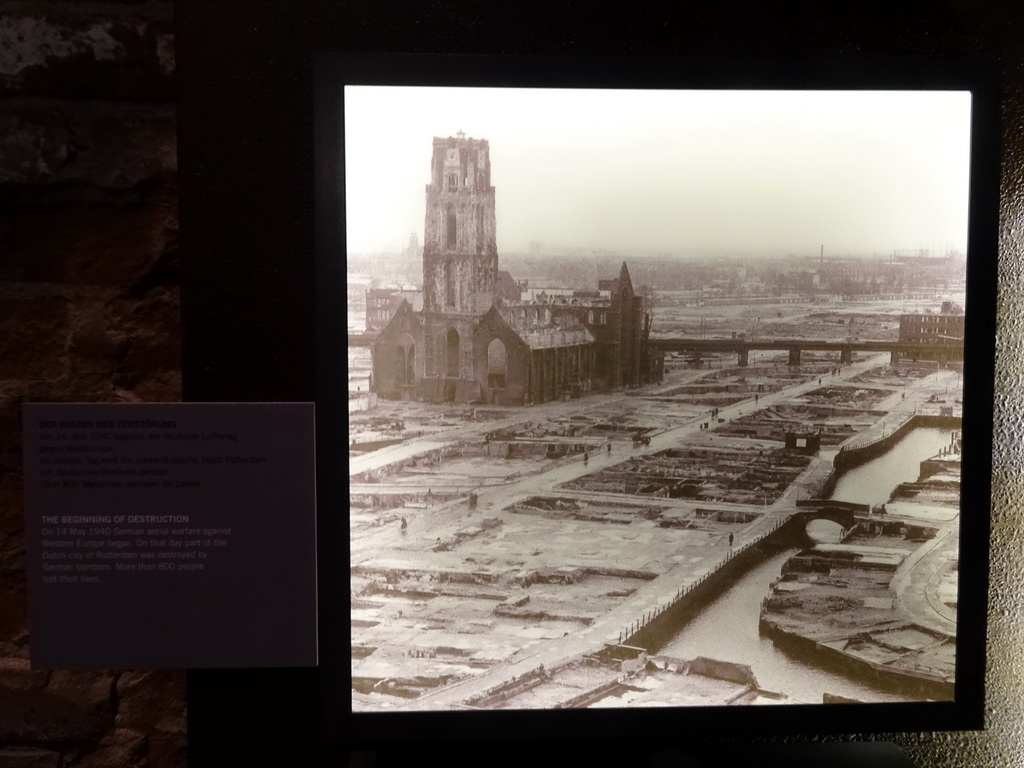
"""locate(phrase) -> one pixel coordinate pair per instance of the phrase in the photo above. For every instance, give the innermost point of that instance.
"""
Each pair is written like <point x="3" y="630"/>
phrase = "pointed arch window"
<point x="480" y="229"/>
<point x="449" y="285"/>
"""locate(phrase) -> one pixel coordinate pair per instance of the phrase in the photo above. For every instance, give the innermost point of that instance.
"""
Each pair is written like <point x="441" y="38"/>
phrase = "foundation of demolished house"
<point x="620" y="676"/>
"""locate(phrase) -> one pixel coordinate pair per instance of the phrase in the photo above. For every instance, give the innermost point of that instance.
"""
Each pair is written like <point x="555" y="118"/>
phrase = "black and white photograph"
<point x="655" y="397"/>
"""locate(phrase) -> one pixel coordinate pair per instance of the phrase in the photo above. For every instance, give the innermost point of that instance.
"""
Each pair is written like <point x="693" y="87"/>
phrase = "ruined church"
<point x="477" y="339"/>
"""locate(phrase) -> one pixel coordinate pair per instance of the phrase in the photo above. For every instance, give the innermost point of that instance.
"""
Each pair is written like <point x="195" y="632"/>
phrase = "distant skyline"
<point x="688" y="172"/>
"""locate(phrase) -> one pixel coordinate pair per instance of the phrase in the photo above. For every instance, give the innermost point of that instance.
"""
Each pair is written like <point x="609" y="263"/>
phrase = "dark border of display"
<point x="692" y="724"/>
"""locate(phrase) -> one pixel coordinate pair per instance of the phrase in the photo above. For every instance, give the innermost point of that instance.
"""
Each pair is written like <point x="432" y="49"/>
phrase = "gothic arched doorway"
<point x="452" y="354"/>
<point x="496" y="364"/>
<point x="409" y="368"/>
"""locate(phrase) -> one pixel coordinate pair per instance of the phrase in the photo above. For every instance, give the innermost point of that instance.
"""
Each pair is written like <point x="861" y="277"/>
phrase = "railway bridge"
<point x="945" y="352"/>
<point x="942" y="352"/>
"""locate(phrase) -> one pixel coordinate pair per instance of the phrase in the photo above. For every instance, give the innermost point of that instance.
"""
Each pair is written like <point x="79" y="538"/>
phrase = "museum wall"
<point x="89" y="312"/>
<point x="89" y="278"/>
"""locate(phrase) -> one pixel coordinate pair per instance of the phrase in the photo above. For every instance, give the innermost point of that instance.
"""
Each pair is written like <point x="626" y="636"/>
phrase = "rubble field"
<point x="456" y="592"/>
<point x="442" y="591"/>
<point x="604" y="681"/>
<point x="398" y="421"/>
<point x="899" y="375"/>
<point x="695" y="518"/>
<point x="701" y="473"/>
<point x="836" y="423"/>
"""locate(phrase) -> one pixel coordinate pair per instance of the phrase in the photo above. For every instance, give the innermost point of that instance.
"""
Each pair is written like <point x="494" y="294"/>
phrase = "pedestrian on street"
<point x="730" y="541"/>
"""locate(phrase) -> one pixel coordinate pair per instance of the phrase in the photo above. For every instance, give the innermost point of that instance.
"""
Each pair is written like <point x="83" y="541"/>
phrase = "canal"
<point x="873" y="482"/>
<point x="727" y="629"/>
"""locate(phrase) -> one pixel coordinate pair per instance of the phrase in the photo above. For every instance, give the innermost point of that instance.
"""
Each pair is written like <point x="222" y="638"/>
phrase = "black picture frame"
<point x="331" y="73"/>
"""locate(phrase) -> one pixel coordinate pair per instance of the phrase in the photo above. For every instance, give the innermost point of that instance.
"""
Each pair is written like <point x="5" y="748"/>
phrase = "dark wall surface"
<point x="89" y="312"/>
<point x="247" y="222"/>
<point x="89" y="279"/>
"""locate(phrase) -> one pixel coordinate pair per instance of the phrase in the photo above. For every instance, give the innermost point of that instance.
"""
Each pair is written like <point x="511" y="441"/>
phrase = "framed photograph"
<point x="658" y="399"/>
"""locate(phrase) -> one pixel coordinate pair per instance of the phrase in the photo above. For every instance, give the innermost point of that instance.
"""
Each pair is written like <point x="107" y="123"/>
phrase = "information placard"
<point x="171" y="536"/>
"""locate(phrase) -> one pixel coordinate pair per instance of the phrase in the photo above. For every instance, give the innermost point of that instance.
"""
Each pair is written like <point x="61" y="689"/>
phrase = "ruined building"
<point x="941" y="335"/>
<point x="476" y="340"/>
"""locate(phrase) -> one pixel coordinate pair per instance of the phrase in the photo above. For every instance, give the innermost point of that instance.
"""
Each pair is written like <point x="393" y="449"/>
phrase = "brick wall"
<point x="89" y="311"/>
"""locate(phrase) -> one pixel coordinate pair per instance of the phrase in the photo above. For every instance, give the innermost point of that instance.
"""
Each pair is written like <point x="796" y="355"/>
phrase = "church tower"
<point x="460" y="252"/>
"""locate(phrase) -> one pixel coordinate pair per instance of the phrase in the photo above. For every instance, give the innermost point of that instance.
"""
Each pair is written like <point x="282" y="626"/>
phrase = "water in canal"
<point x="727" y="629"/>
<point x="873" y="483"/>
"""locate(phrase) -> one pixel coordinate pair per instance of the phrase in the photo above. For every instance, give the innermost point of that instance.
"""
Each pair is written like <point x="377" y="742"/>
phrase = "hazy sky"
<point x="680" y="171"/>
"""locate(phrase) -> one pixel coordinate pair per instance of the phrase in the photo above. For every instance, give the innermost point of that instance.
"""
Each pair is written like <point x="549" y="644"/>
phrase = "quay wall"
<point x="883" y="676"/>
<point x="656" y="627"/>
<point x="854" y="456"/>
